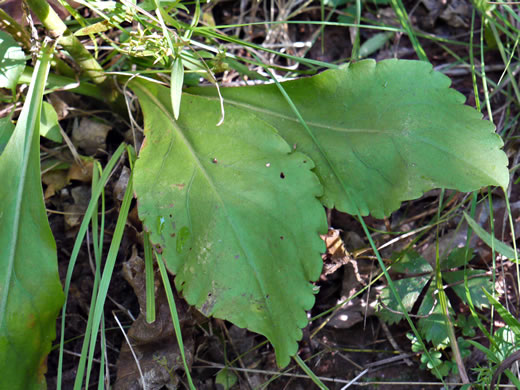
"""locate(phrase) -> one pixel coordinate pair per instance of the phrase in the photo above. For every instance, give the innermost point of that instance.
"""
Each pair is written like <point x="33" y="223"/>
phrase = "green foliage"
<point x="6" y="130"/>
<point x="416" y="274"/>
<point x="226" y="205"/>
<point x="49" y="126"/>
<point x="380" y="133"/>
<point x="438" y="363"/>
<point x="232" y="204"/>
<point x="226" y="378"/>
<point x="30" y="288"/>
<point x="491" y="241"/>
<point x="12" y="61"/>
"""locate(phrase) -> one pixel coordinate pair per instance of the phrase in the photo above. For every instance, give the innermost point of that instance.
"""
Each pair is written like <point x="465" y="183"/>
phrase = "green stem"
<point x="20" y="34"/>
<point x="14" y="29"/>
<point x="59" y="30"/>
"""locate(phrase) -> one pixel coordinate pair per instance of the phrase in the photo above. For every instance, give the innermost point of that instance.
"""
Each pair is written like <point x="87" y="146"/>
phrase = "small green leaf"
<point x="380" y="133"/>
<point x="241" y="218"/>
<point x="477" y="280"/>
<point x="409" y="290"/>
<point x="12" y="61"/>
<point x="50" y="126"/>
<point x="457" y="258"/>
<point x="374" y="43"/>
<point x="410" y="262"/>
<point x="491" y="241"/>
<point x="30" y="288"/>
<point x="226" y="378"/>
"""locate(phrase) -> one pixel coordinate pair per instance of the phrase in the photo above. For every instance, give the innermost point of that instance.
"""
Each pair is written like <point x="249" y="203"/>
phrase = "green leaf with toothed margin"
<point x="380" y="133"/>
<point x="234" y="211"/>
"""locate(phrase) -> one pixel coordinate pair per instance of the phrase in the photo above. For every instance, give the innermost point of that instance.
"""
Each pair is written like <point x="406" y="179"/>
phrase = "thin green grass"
<point x="175" y="317"/>
<point x="96" y="193"/>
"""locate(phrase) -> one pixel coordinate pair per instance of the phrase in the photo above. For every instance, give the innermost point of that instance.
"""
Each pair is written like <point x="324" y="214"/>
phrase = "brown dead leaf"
<point x="81" y="172"/>
<point x="154" y="344"/>
<point x="74" y="212"/>
<point x="337" y="255"/>
<point x="90" y="135"/>
<point x="55" y="181"/>
<point x="121" y="184"/>
<point x="60" y="106"/>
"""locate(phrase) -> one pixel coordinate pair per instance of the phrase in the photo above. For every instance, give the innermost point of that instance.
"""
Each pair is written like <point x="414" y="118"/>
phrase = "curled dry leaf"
<point x="154" y="344"/>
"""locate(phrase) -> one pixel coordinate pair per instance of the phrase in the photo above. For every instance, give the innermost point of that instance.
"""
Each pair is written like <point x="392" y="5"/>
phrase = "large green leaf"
<point x="234" y="211"/>
<point x="381" y="132"/>
<point x="30" y="289"/>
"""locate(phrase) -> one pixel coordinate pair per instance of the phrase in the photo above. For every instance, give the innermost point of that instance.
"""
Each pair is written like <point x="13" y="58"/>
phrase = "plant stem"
<point x="13" y="28"/>
<point x="59" y="30"/>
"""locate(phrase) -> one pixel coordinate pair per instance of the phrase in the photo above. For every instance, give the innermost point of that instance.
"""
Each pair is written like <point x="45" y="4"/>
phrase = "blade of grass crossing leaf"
<point x="109" y="267"/>
<point x="309" y="372"/>
<point x="175" y="317"/>
<point x="177" y="79"/>
<point x="150" y="284"/>
<point x="401" y="13"/>
<point x="365" y="228"/>
<point x="491" y="241"/>
<point x="77" y="246"/>
<point x="508" y="318"/>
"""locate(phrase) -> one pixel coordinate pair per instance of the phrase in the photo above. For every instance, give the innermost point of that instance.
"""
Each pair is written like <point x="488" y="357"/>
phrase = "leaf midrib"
<point x="208" y="178"/>
<point x="422" y="139"/>
<point x="35" y="93"/>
